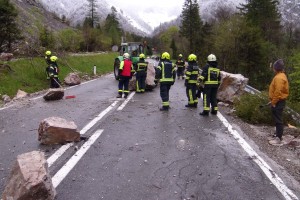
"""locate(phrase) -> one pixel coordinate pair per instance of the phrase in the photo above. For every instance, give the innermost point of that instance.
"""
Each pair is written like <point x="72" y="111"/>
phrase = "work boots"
<point x="119" y="96"/>
<point x="164" y="108"/>
<point x="204" y="113"/>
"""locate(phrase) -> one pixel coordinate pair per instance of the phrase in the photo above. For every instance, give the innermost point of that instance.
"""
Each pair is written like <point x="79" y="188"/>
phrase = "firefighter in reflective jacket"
<point x="48" y="61"/>
<point x="166" y="73"/>
<point x="180" y="66"/>
<point x="141" y="74"/>
<point x="211" y="78"/>
<point x="53" y="72"/>
<point x="125" y="71"/>
<point x="192" y="75"/>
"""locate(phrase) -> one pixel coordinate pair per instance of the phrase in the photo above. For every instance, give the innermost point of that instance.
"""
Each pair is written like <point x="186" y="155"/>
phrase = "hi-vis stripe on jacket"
<point x="192" y="73"/>
<point x="210" y="75"/>
<point x="141" y="66"/>
<point x="166" y="72"/>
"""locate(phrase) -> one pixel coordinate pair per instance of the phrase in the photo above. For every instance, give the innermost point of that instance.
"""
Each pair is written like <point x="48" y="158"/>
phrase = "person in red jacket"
<point x="125" y="71"/>
<point x="278" y="93"/>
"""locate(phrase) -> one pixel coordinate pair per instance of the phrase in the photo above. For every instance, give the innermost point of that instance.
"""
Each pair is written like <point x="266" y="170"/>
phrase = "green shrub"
<point x="249" y="108"/>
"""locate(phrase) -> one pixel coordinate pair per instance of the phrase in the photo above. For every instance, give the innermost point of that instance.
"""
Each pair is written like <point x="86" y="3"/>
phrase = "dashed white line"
<point x="65" y="147"/>
<point x="274" y="178"/>
<point x="121" y="107"/>
<point x="65" y="170"/>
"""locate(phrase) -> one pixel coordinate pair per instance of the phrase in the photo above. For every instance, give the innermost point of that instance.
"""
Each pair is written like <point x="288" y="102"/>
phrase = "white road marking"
<point x="274" y="178"/>
<point x="65" y="147"/>
<point x="126" y="101"/>
<point x="64" y="171"/>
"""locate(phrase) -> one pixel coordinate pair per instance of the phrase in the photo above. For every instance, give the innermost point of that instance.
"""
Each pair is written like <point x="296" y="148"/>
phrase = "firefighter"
<point x="125" y="71"/>
<point x="192" y="75"/>
<point x="53" y="72"/>
<point x="48" y="55"/>
<point x="166" y="74"/>
<point x="141" y="74"/>
<point x="180" y="66"/>
<point x="211" y="78"/>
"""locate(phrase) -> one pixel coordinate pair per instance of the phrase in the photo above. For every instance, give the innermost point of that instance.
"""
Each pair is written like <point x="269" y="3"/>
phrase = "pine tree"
<point x="112" y="20"/>
<point x="9" y="31"/>
<point x="265" y="15"/>
<point x="191" y="24"/>
<point x="94" y="17"/>
<point x="174" y="48"/>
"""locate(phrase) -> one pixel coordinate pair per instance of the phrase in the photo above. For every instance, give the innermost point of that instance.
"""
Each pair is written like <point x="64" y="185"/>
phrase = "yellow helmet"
<point x="192" y="57"/>
<point x="211" y="58"/>
<point x="180" y="55"/>
<point x="48" y="53"/>
<point x="53" y="58"/>
<point x="142" y="56"/>
<point x="165" y="55"/>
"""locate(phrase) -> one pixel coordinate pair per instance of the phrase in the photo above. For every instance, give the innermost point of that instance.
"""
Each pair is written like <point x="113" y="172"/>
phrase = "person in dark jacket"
<point x="141" y="74"/>
<point x="192" y="74"/>
<point x="278" y="93"/>
<point x="166" y="74"/>
<point x="53" y="73"/>
<point x="125" y="71"/>
<point x="48" y="55"/>
<point x="180" y="66"/>
<point x="211" y="78"/>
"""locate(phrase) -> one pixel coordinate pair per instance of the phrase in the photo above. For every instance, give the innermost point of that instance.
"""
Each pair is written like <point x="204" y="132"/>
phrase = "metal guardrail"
<point x="294" y="114"/>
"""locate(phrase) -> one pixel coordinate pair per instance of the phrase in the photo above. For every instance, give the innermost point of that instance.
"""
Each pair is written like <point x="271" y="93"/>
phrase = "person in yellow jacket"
<point x="278" y="93"/>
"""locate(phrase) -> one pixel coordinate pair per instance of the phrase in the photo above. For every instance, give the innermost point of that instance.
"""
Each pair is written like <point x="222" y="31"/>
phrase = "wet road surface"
<point x="138" y="152"/>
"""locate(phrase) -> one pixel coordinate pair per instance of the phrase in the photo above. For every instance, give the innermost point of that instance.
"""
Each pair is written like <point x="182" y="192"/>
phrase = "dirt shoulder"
<point x="286" y="158"/>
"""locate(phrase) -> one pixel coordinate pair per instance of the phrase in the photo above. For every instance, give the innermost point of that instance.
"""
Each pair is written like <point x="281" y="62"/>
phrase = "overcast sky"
<point x="153" y="11"/>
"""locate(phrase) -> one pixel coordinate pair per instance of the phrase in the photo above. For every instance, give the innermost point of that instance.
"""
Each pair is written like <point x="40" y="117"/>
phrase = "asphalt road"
<point x="136" y="151"/>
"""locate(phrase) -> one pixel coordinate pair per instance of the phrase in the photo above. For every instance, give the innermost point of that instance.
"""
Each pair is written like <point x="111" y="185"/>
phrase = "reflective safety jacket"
<point x="211" y="74"/>
<point x="53" y="70"/>
<point x="166" y="72"/>
<point x="126" y="68"/>
<point x="141" y="66"/>
<point x="192" y="73"/>
<point x="47" y="59"/>
<point x="180" y="62"/>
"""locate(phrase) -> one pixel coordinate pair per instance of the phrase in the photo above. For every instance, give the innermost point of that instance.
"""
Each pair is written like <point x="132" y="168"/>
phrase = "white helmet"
<point x="126" y="55"/>
<point x="211" y="58"/>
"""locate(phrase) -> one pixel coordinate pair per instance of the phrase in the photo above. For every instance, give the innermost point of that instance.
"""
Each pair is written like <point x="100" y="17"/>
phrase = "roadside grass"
<point x="29" y="73"/>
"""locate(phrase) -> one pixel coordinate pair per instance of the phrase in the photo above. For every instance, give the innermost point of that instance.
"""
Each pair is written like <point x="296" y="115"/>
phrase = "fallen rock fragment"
<point x="29" y="179"/>
<point x="231" y="87"/>
<point x="72" y="79"/>
<point x="150" y="79"/>
<point x="55" y="130"/>
<point x="54" y="94"/>
<point x="20" y="94"/>
<point x="6" y="98"/>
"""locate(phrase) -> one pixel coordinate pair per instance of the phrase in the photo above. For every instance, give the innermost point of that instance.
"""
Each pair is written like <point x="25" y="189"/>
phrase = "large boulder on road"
<point x="231" y="87"/>
<point x="72" y="79"/>
<point x="54" y="94"/>
<point x="56" y="130"/>
<point x="29" y="179"/>
<point x="150" y="79"/>
<point x="132" y="84"/>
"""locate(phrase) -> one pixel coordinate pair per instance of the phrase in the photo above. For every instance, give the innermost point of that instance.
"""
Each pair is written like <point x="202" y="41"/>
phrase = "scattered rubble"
<point x="55" y="130"/>
<point x="72" y="79"/>
<point x="54" y="94"/>
<point x="6" y="98"/>
<point x="20" y="94"/>
<point x="29" y="179"/>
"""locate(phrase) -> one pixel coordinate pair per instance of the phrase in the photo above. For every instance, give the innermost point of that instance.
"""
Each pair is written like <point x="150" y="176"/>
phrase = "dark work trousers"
<point x="124" y="85"/>
<point x="164" y="94"/>
<point x="210" y="98"/>
<point x="191" y="93"/>
<point x="54" y="82"/>
<point x="180" y="71"/>
<point x="141" y="81"/>
<point x="277" y="116"/>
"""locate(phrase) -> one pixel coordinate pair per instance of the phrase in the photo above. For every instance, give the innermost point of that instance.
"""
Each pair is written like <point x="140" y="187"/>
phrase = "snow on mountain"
<point x="134" y="19"/>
